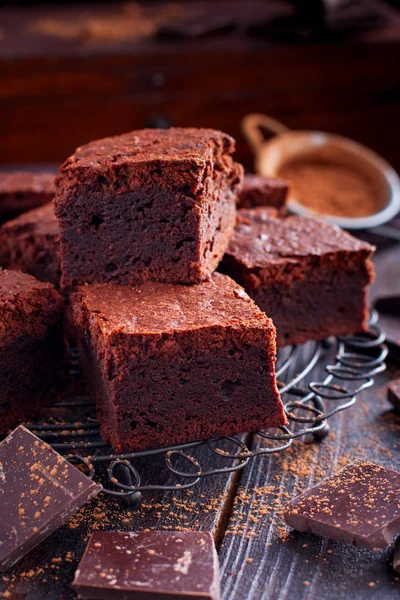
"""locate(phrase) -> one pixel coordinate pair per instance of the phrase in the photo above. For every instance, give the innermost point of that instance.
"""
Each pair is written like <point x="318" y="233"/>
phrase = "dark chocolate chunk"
<point x="39" y="491"/>
<point x="393" y="388"/>
<point x="162" y="565"/>
<point x="360" y="505"/>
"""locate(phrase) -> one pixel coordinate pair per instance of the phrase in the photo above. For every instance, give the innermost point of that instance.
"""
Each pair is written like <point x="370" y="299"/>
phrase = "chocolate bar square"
<point x="359" y="505"/>
<point x="39" y="491"/>
<point x="149" y="565"/>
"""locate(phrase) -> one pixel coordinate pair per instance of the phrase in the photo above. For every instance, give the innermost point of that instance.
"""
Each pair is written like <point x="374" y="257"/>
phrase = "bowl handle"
<point x="253" y="126"/>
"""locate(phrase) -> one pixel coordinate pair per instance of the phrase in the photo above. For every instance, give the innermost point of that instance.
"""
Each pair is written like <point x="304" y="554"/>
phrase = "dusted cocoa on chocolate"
<point x="149" y="565"/>
<point x="359" y="505"/>
<point x="41" y="491"/>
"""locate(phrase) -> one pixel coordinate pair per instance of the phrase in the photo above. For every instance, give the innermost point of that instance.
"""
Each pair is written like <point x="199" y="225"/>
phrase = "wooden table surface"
<point x="259" y="556"/>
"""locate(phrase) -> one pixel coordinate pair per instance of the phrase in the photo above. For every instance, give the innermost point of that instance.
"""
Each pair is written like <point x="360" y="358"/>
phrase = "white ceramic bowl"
<point x="288" y="145"/>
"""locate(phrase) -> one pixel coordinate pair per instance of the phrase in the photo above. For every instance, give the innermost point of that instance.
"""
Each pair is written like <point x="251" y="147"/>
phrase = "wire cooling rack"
<point x="308" y="406"/>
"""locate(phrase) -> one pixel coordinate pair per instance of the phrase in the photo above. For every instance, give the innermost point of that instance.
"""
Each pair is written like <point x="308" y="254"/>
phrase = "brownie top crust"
<point x="251" y="181"/>
<point x="149" y="145"/>
<point x="160" y="308"/>
<point x="27" y="306"/>
<point x="261" y="240"/>
<point x="42" y="220"/>
<point x="17" y="182"/>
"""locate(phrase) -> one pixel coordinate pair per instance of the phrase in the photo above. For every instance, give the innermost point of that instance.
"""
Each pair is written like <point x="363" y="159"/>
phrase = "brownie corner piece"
<point x="171" y="363"/>
<point x="147" y="205"/>
<point x="310" y="277"/>
<point x="30" y="344"/>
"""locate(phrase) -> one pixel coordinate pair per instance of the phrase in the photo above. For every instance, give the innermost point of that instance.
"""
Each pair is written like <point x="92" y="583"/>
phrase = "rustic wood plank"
<point x="261" y="558"/>
<point x="47" y="572"/>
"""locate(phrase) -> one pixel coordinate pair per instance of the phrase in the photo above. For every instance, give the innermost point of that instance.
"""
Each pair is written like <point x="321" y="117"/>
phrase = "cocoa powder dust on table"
<point x="332" y="189"/>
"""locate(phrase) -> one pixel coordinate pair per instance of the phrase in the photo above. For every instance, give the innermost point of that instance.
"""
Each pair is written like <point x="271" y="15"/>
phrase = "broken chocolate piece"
<point x="360" y="505"/>
<point x="393" y="388"/>
<point x="149" y="565"/>
<point x="39" y="491"/>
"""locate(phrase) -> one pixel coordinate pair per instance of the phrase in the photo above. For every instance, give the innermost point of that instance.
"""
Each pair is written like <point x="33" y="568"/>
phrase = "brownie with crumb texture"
<point x="171" y="363"/>
<point x="30" y="345"/>
<point x="30" y="243"/>
<point x="21" y="191"/>
<point x="152" y="204"/>
<point x="263" y="191"/>
<point x="310" y="277"/>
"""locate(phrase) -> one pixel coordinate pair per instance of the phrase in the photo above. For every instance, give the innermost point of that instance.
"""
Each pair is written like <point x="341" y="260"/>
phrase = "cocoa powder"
<point x="332" y="189"/>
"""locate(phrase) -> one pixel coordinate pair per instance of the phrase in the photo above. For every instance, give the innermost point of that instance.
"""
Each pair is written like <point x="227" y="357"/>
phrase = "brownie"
<point x="263" y="191"/>
<point x="23" y="191"/>
<point x="310" y="277"/>
<point x="153" y="204"/>
<point x="30" y="243"/>
<point x="169" y="363"/>
<point x="30" y="345"/>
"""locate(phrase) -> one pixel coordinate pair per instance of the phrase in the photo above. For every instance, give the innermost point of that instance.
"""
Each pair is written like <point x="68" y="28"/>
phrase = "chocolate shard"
<point x="147" y="565"/>
<point x="360" y="505"/>
<point x="393" y="388"/>
<point x="39" y="491"/>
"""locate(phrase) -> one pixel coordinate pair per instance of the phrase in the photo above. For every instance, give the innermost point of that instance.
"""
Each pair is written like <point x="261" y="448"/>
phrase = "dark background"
<point x="70" y="73"/>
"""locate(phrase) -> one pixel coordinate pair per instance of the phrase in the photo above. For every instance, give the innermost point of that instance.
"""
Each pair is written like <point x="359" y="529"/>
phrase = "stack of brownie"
<point x="173" y="350"/>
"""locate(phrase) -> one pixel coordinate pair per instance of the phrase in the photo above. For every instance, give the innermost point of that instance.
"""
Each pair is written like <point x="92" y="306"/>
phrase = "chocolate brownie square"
<point x="30" y="345"/>
<point x="263" y="191"/>
<point x="22" y="191"/>
<point x="148" y="205"/>
<point x="30" y="243"/>
<point x="310" y="277"/>
<point x="171" y="363"/>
